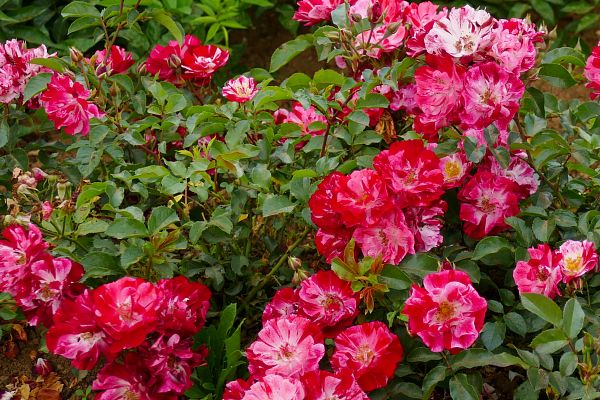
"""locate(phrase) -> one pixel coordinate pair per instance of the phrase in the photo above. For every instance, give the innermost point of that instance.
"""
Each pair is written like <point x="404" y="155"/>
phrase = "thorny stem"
<point x="275" y="268"/>
<point x="543" y="177"/>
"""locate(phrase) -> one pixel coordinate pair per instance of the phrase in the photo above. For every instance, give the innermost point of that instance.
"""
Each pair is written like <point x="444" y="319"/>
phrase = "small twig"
<point x="275" y="268"/>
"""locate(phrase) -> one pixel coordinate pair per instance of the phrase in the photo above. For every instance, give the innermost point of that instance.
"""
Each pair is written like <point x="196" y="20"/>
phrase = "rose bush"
<point x="412" y="222"/>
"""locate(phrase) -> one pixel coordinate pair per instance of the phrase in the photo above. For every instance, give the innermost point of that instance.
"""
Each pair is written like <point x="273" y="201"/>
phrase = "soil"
<point x="263" y="38"/>
<point x="17" y="372"/>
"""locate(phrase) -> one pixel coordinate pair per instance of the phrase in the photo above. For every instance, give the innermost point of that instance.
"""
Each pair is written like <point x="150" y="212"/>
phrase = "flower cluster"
<point x="16" y="69"/>
<point x="191" y="61"/>
<point x="38" y="282"/>
<point x="447" y="313"/>
<point x="284" y="360"/>
<point x="396" y="209"/>
<point x="472" y="61"/>
<point x="472" y="74"/>
<point x="592" y="72"/>
<point x="390" y="211"/>
<point x="493" y="194"/>
<point x="150" y="325"/>
<point x="547" y="268"/>
<point x="66" y="103"/>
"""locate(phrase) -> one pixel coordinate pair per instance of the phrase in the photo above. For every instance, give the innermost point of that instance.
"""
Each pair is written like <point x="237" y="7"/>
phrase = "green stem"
<point x="275" y="268"/>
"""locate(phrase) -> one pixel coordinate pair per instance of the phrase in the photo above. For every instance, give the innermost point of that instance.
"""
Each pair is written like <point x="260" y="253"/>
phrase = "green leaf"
<point x="436" y="375"/>
<point x="516" y="323"/>
<point x="98" y="264"/>
<point x="160" y="218"/>
<point x="461" y="389"/>
<point x="395" y="278"/>
<point x="568" y="363"/>
<point x="261" y="176"/>
<point x="123" y="81"/>
<point x="277" y="204"/>
<point x="329" y="77"/>
<point x="578" y="7"/>
<point x="126" y="228"/>
<point x="83" y="23"/>
<point x="419" y="264"/>
<point x="490" y="245"/>
<point x="162" y="18"/>
<point x="557" y="75"/>
<point x="55" y="64"/>
<point x="493" y="334"/>
<point x="544" y="9"/>
<point x="422" y="354"/>
<point x="524" y="233"/>
<point x="474" y="358"/>
<point x="4" y="133"/>
<point x="80" y="9"/>
<point x="373" y="100"/>
<point x="36" y="85"/>
<point x="588" y="110"/>
<point x="549" y="341"/>
<point x="564" y="55"/>
<point x="93" y="225"/>
<point x="289" y="50"/>
<point x="573" y="318"/>
<point x="175" y="103"/>
<point x="543" y="228"/>
<point x="543" y="307"/>
<point x="227" y="319"/>
<point x="587" y="22"/>
<point x="6" y="18"/>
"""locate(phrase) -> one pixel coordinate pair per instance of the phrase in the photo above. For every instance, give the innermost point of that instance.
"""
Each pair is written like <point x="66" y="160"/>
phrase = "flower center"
<point x="573" y="264"/>
<point x="364" y="354"/>
<point x="47" y="293"/>
<point x="445" y="311"/>
<point x="542" y="275"/>
<point x="331" y="304"/>
<point x="411" y="177"/>
<point x="285" y="352"/>
<point x="383" y="237"/>
<point x="486" y="205"/>
<point x="130" y="395"/>
<point x="452" y="170"/>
